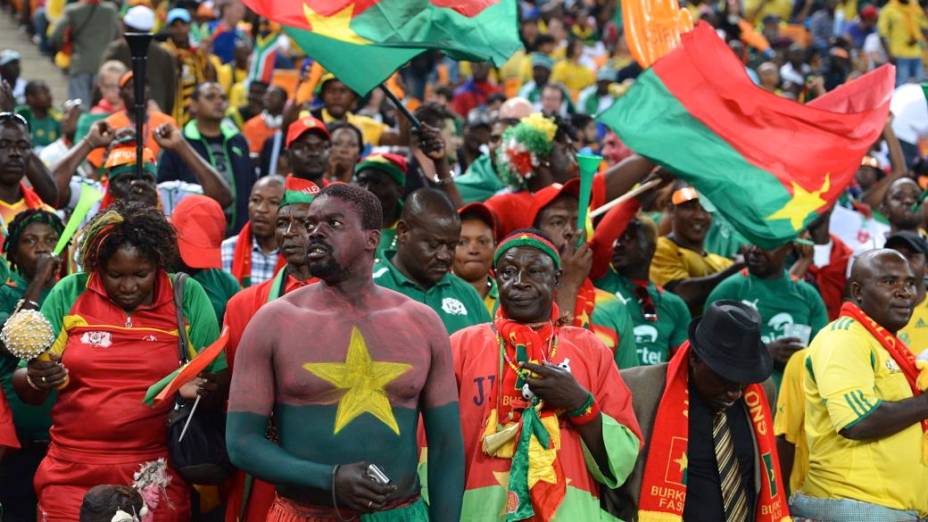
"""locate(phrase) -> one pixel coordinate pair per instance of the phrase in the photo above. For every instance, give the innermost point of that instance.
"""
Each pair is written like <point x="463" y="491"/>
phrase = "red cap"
<point x="482" y="212"/>
<point x="201" y="225"/>
<point x="304" y="125"/>
<point x="547" y="195"/>
<point x="869" y="13"/>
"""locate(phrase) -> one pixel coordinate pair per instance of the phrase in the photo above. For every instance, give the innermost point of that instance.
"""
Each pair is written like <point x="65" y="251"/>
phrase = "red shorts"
<point x="61" y="486"/>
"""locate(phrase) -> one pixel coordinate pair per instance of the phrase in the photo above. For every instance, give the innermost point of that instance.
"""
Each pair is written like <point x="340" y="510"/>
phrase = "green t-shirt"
<point x="653" y="339"/>
<point x="45" y="131"/>
<point x="611" y="314"/>
<point x="781" y="302"/>
<point x="480" y="182"/>
<point x="453" y="299"/>
<point x="85" y="121"/>
<point x="220" y="286"/>
<point x="32" y="422"/>
<point x="387" y="238"/>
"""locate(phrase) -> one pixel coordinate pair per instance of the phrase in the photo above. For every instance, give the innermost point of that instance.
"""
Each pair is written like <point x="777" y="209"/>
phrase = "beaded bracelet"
<point x="586" y="413"/>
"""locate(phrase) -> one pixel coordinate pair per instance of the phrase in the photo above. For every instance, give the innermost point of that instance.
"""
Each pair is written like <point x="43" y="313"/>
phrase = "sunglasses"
<point x="17" y="118"/>
<point x="648" y="310"/>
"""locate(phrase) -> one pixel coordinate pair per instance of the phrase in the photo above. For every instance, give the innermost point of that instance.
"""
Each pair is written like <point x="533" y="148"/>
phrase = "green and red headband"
<point x="298" y="191"/>
<point x="530" y="240"/>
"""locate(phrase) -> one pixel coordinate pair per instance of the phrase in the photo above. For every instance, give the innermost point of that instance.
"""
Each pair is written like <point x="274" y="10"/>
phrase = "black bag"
<point x="200" y="458"/>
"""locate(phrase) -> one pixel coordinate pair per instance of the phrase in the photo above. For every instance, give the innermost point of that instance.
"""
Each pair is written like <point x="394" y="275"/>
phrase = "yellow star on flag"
<point x="803" y="203"/>
<point x="364" y="379"/>
<point x="683" y="462"/>
<point x="337" y="26"/>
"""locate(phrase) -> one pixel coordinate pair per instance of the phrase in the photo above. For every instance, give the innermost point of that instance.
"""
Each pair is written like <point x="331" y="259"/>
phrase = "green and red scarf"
<point x="663" y="488"/>
<point x="900" y="353"/>
<point x="521" y="428"/>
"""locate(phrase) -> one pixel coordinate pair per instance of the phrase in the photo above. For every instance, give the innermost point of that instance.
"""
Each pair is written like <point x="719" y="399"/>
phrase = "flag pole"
<point x="400" y="107"/>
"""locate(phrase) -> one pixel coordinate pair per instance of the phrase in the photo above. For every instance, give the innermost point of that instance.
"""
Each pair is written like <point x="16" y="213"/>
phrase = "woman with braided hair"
<point x="31" y="237"/>
<point x="116" y="334"/>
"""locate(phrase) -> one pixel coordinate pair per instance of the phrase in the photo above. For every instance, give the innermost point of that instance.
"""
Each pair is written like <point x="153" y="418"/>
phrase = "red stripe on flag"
<point x="195" y="366"/>
<point x="792" y="141"/>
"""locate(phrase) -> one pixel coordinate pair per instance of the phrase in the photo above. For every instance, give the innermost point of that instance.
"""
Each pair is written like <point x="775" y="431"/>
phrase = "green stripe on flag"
<point x="156" y="388"/>
<point x="653" y="123"/>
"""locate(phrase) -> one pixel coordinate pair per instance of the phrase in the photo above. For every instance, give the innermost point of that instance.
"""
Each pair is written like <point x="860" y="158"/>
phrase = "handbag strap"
<point x="182" y="341"/>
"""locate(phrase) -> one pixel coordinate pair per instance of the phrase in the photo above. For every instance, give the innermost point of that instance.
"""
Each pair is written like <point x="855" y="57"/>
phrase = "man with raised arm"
<point x="346" y="367"/>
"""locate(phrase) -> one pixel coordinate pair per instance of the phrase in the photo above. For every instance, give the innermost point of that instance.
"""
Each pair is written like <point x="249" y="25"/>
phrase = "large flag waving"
<point x="767" y="164"/>
<point x="362" y="42"/>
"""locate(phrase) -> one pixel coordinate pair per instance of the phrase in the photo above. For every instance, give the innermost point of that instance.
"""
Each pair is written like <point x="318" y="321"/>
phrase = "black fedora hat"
<point x="727" y="338"/>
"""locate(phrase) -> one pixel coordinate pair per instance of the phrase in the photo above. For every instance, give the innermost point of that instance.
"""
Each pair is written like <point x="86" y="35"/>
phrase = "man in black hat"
<point x="711" y="454"/>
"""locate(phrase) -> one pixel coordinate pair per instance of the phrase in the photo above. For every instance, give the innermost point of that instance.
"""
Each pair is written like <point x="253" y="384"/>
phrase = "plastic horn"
<point x="138" y="48"/>
<point x="588" y="164"/>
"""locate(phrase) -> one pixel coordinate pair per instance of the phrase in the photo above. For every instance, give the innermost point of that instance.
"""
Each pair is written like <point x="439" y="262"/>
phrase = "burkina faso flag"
<point x="362" y="42"/>
<point x="768" y="164"/>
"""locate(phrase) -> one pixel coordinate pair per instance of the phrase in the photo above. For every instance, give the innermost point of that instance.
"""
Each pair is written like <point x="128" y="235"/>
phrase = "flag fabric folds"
<point x="363" y="42"/>
<point x="768" y="164"/>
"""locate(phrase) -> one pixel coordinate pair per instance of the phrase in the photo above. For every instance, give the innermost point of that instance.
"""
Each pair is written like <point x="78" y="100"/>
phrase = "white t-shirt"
<point x="910" y="113"/>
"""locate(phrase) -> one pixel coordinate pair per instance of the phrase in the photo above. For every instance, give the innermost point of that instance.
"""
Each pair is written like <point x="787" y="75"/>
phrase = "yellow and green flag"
<point x="362" y="42"/>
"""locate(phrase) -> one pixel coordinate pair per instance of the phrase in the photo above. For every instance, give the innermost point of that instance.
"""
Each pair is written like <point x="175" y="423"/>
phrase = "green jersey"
<point x="220" y="286"/>
<point x="480" y="182"/>
<point x="453" y="299"/>
<point x="656" y="336"/>
<point x="45" y="131"/>
<point x="787" y="308"/>
<point x="387" y="240"/>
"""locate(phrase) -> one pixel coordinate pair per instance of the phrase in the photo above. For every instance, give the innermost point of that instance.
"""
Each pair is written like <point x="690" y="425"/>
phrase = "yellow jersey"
<point x="790" y="416"/>
<point x="902" y="27"/>
<point x="915" y="334"/>
<point x="674" y="263"/>
<point x="848" y="374"/>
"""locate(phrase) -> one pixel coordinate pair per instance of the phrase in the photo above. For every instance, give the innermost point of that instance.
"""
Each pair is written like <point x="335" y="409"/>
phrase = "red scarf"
<point x="900" y="353"/>
<point x="30" y="198"/>
<point x="530" y="433"/>
<point x="663" y="488"/>
<point x="241" y="257"/>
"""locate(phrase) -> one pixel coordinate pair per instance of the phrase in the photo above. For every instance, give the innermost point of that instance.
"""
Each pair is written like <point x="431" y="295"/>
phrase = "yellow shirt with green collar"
<point x="848" y="374"/>
<point x="915" y="334"/>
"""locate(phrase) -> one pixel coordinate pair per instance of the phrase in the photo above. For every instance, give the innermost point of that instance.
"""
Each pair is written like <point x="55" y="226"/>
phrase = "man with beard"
<point x="549" y="428"/>
<point x="681" y="264"/>
<point x="248" y="496"/>
<point x="383" y="358"/>
<point x="427" y="235"/>
<point x="791" y="311"/>
<point x="252" y="255"/>
<point x="308" y="145"/>
<point x="865" y="414"/>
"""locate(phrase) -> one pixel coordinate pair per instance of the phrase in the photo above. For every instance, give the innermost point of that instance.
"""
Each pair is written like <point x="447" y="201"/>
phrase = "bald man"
<point x="427" y="235"/>
<point x="251" y="256"/>
<point x="865" y="418"/>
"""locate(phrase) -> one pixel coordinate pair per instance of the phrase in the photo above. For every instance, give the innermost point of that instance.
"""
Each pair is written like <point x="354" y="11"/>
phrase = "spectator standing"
<point x="161" y="71"/>
<point x="902" y="24"/>
<point x="221" y="145"/>
<point x="193" y="66"/>
<point x="44" y="121"/>
<point x="251" y="256"/>
<point x="10" y="72"/>
<point x="475" y="91"/>
<point x="90" y="26"/>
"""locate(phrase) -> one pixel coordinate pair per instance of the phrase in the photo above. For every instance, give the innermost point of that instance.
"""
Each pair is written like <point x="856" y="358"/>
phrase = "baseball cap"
<point x="304" y="125"/>
<point x="683" y="195"/>
<point x="200" y="225"/>
<point x="869" y="13"/>
<point x="9" y="55"/>
<point x="178" y="13"/>
<point x="547" y="195"/>
<point x="140" y="18"/>
<point x="480" y="211"/>
<point x="907" y="239"/>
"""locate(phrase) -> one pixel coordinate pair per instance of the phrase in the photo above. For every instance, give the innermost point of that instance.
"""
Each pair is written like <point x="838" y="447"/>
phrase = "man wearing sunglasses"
<point x="659" y="317"/>
<point x="16" y="162"/>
